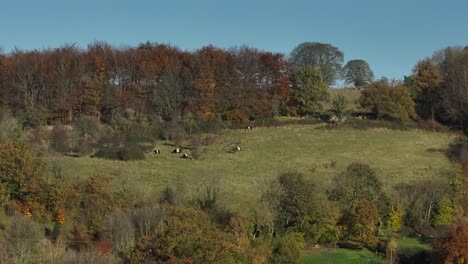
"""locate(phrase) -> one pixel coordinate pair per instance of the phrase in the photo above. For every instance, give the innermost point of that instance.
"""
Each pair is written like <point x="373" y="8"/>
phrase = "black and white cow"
<point x="156" y="151"/>
<point x="184" y="156"/>
<point x="176" y="150"/>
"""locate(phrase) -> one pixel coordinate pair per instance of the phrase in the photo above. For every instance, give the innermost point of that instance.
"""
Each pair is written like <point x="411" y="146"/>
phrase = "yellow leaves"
<point x="395" y="220"/>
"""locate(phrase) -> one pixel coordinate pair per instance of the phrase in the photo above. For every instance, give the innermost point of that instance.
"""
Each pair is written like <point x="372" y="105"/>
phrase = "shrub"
<point x="127" y="152"/>
<point x="339" y="105"/>
<point x="121" y="231"/>
<point x="431" y="125"/>
<point x="131" y="152"/>
<point x="235" y="117"/>
<point x="89" y="127"/>
<point x="107" y="153"/>
<point x="60" y="138"/>
<point x="23" y="237"/>
<point x="83" y="147"/>
<point x="8" y="126"/>
<point x="34" y="119"/>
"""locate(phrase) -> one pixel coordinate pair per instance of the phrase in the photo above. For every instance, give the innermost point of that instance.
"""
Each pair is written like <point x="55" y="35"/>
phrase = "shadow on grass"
<point x="456" y="152"/>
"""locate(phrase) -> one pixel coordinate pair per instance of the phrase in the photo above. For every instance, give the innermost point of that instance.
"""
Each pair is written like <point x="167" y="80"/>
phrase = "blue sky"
<point x="391" y="35"/>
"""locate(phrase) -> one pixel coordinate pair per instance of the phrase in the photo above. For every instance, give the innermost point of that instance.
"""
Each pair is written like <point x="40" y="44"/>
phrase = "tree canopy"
<point x="358" y="73"/>
<point x="309" y="90"/>
<point x="324" y="57"/>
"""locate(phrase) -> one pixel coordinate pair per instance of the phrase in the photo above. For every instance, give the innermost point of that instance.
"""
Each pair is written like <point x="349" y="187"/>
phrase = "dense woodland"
<point x="112" y="103"/>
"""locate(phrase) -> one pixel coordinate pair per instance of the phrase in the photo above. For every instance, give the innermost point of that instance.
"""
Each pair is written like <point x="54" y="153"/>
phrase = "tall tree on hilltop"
<point x="358" y="73"/>
<point x="324" y="57"/>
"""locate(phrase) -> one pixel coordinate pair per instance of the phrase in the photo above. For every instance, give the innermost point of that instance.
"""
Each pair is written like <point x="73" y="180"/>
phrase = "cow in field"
<point x="176" y="150"/>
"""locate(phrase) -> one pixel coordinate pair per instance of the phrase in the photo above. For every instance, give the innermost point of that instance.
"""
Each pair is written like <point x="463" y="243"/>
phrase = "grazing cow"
<point x="156" y="151"/>
<point x="176" y="150"/>
<point x="237" y="148"/>
<point x="250" y="127"/>
<point x="184" y="156"/>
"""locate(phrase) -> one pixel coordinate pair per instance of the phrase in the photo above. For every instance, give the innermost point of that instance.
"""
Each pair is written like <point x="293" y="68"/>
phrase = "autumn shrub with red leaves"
<point x="452" y="247"/>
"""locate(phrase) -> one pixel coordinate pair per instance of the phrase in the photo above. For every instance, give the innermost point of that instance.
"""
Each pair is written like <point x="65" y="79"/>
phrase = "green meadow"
<point x="314" y="150"/>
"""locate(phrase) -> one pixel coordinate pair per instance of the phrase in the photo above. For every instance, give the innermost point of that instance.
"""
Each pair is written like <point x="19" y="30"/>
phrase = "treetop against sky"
<point x="390" y="35"/>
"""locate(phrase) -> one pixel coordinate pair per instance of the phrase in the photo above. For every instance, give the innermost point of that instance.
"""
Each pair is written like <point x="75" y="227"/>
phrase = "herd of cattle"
<point x="186" y="155"/>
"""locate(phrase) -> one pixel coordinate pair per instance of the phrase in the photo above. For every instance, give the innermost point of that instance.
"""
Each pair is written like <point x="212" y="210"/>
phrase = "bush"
<point x="60" y="138"/>
<point x="339" y="105"/>
<point x="131" y="152"/>
<point x="107" y="153"/>
<point x="23" y="237"/>
<point x="235" y="117"/>
<point x="126" y="152"/>
<point x="431" y="125"/>
<point x="34" y="119"/>
<point x="89" y="127"/>
<point x="8" y="126"/>
<point x="39" y="139"/>
<point x="83" y="147"/>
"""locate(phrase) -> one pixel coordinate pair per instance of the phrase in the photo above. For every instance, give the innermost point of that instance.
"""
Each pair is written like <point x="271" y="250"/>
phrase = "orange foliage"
<point x="453" y="248"/>
<point x="60" y="216"/>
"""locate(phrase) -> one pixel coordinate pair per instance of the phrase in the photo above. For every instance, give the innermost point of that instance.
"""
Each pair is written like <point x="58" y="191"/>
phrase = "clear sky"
<point x="392" y="35"/>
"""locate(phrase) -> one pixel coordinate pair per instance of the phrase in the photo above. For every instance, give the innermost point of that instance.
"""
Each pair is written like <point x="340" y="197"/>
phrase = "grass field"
<point x="398" y="156"/>
<point x="339" y="256"/>
<point x="411" y="249"/>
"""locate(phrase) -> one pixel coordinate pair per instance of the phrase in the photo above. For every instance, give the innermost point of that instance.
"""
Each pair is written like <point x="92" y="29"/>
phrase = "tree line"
<point x="236" y="85"/>
<point x="157" y="80"/>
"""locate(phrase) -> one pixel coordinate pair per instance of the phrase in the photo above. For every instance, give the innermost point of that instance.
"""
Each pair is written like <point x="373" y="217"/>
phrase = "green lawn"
<point x="398" y="156"/>
<point x="339" y="256"/>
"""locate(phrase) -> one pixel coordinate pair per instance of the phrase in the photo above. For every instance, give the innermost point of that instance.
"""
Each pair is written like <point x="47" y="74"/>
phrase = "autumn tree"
<point x="309" y="90"/>
<point x="452" y="247"/>
<point x="362" y="222"/>
<point x="323" y="57"/>
<point x="388" y="101"/>
<point x="19" y="170"/>
<point x="91" y="94"/>
<point x="358" y="73"/>
<point x="428" y="79"/>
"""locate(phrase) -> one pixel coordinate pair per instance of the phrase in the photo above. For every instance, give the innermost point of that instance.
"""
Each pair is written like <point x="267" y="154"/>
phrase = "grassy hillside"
<point x="339" y="256"/>
<point x="398" y="156"/>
